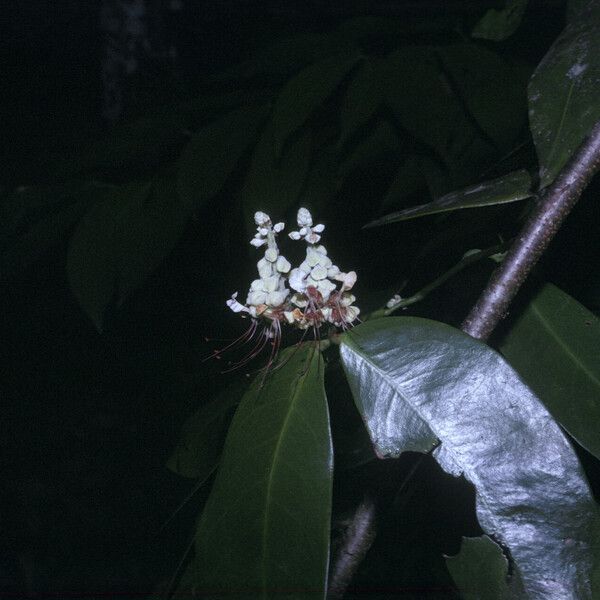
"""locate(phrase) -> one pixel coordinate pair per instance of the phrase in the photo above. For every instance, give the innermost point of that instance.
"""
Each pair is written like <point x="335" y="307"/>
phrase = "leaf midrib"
<point x="276" y="453"/>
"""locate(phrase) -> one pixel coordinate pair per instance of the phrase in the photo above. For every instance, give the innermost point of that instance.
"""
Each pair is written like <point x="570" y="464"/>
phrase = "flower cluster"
<point x="318" y="291"/>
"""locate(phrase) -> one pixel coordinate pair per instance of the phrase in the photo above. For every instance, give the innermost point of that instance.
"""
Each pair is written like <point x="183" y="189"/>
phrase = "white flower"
<point x="235" y="306"/>
<point x="394" y="301"/>
<point x="307" y="231"/>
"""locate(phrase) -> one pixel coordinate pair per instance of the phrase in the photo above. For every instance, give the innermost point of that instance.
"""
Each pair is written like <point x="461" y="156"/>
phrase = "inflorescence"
<point x="306" y="297"/>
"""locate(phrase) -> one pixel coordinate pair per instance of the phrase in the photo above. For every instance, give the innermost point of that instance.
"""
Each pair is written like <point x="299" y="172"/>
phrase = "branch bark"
<point x="534" y="238"/>
<point x="539" y="230"/>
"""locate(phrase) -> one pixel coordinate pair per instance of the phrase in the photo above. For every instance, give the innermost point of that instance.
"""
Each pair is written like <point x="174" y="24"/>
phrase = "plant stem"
<point x="357" y="541"/>
<point x="425" y="291"/>
<point x="534" y="238"/>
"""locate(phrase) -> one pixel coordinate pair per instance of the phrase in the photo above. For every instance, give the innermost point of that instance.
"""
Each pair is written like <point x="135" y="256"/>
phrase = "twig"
<point x="357" y="541"/>
<point x="534" y="238"/>
<point x="425" y="291"/>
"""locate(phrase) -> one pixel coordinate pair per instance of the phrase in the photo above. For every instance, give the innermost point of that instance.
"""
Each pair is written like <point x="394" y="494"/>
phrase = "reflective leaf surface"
<point x="508" y="188"/>
<point x="416" y="380"/>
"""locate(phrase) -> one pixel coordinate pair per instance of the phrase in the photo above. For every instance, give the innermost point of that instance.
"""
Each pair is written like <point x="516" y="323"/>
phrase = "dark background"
<point x="88" y="420"/>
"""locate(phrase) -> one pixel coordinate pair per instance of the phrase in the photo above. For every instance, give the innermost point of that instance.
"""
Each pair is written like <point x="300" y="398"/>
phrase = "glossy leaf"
<point x="554" y="344"/>
<point x="213" y="152"/>
<point x="415" y="381"/>
<point x="305" y="92"/>
<point x="499" y="24"/>
<point x="120" y="241"/>
<point x="264" y="532"/>
<point x="202" y="436"/>
<point x="508" y="188"/>
<point x="362" y="99"/>
<point x="480" y="570"/>
<point x="273" y="185"/>
<point x="564" y="92"/>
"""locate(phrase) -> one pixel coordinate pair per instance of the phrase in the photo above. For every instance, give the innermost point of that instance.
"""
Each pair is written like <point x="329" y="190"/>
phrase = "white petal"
<point x="312" y="257"/>
<point x="319" y="273"/>
<point x="271" y="254"/>
<point x="297" y="280"/>
<point x="325" y="287"/>
<point x="261" y="218"/>
<point x="262" y="231"/>
<point x="332" y="271"/>
<point x="289" y="316"/>
<point x="304" y="217"/>
<point x="277" y="298"/>
<point x="265" y="268"/>
<point x="295" y="235"/>
<point x="257" y="284"/>
<point x="321" y="249"/>
<point x="312" y="238"/>
<point x="319" y="228"/>
<point x="235" y="306"/>
<point x="349" y="280"/>
<point x="271" y="283"/>
<point x="278" y="227"/>
<point x="257" y="242"/>
<point x="283" y="265"/>
<point x="256" y="298"/>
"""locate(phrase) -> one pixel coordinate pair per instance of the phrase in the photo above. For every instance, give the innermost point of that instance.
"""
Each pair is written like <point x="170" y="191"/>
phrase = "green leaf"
<point x="120" y="241"/>
<point x="497" y="25"/>
<point x="508" y="188"/>
<point x="363" y="98"/>
<point x="202" y="436"/>
<point x="382" y="141"/>
<point x="415" y="381"/>
<point x="304" y="93"/>
<point x="416" y="173"/>
<point x="474" y="73"/>
<point x="480" y="570"/>
<point x="214" y="151"/>
<point x="273" y="185"/>
<point x="554" y="344"/>
<point x="426" y="104"/>
<point x="33" y="220"/>
<point x="564" y="92"/>
<point x="265" y="527"/>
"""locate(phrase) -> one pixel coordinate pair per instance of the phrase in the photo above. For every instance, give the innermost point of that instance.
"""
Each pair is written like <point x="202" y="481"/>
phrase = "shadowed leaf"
<point x="498" y="24"/>
<point x="202" y="435"/>
<point x="554" y="344"/>
<point x="212" y="154"/>
<point x="273" y="185"/>
<point x="415" y="381"/>
<point x="480" y="570"/>
<point x="305" y="92"/>
<point x="120" y="241"/>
